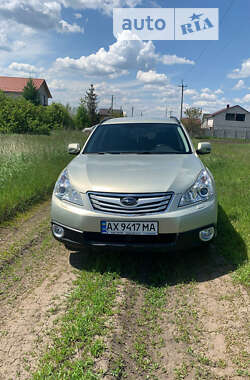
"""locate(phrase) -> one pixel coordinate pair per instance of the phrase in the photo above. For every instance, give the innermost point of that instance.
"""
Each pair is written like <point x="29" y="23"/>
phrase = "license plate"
<point x="129" y="228"/>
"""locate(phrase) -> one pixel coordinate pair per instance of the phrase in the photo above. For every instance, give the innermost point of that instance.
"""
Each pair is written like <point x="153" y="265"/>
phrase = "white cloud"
<point x="118" y="59"/>
<point x="206" y="90"/>
<point x="211" y="105"/>
<point x="77" y="15"/>
<point x="37" y="14"/>
<point x="243" y="72"/>
<point x="245" y="99"/>
<point x="151" y="76"/>
<point x="56" y="85"/>
<point x="9" y="41"/>
<point x="34" y="13"/>
<point x="239" y="85"/>
<point x="65" y="27"/>
<point x="24" y="67"/>
<point x="191" y="92"/>
<point x="208" y="96"/>
<point x="104" y="5"/>
<point x="173" y="60"/>
<point x="4" y="44"/>
<point x="219" y="91"/>
<point x="237" y="100"/>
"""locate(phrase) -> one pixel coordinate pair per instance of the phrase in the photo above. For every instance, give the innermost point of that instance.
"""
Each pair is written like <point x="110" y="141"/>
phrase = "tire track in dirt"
<point x="203" y="327"/>
<point x="34" y="291"/>
<point x="206" y="327"/>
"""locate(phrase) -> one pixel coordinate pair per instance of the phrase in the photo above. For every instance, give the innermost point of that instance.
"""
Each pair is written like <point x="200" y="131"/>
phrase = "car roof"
<point x="133" y="120"/>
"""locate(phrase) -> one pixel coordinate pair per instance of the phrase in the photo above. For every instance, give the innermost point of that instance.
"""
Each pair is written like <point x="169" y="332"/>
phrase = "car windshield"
<point x="139" y="138"/>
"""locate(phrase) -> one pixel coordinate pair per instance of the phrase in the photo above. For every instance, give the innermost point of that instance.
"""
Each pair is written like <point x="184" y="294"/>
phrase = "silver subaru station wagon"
<point x="136" y="183"/>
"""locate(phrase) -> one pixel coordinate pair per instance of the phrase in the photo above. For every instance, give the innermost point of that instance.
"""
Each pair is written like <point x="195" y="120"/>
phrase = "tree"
<point x="193" y="113"/>
<point x="193" y="120"/>
<point x="82" y="116"/>
<point x="31" y="93"/>
<point x="90" y="102"/>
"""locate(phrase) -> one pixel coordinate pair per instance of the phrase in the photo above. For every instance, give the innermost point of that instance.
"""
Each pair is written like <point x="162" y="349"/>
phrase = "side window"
<point x="240" y="117"/>
<point x="230" y="116"/>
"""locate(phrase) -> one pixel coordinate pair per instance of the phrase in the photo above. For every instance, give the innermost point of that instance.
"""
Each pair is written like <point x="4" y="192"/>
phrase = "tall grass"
<point x="230" y="165"/>
<point x="29" y="166"/>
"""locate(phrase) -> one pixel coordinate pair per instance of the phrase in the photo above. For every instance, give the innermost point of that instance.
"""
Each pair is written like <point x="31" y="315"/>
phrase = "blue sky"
<point x="70" y="43"/>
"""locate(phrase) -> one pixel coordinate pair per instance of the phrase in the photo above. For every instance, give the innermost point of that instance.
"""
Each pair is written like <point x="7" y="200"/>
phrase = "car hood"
<point x="131" y="173"/>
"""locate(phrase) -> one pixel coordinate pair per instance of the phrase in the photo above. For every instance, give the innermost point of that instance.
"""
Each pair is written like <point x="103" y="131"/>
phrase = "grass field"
<point x="29" y="166"/>
<point x="230" y="165"/>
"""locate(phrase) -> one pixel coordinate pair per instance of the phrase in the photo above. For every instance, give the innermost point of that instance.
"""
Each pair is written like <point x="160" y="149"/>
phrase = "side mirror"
<point x="74" y="148"/>
<point x="203" y="148"/>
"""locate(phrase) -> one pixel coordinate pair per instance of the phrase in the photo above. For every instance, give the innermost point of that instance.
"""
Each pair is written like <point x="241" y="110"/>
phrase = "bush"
<point x="82" y="119"/>
<point x="18" y="115"/>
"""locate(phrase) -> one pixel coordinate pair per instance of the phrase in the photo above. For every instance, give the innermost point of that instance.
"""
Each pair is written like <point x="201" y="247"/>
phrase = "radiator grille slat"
<point x="147" y="203"/>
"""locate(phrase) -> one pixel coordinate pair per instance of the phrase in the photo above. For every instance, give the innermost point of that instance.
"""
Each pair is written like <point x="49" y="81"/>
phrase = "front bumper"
<point x="76" y="240"/>
<point x="178" y="228"/>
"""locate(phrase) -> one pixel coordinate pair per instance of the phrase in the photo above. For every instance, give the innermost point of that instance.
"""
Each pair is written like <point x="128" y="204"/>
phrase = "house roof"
<point x="15" y="84"/>
<point x="226" y="109"/>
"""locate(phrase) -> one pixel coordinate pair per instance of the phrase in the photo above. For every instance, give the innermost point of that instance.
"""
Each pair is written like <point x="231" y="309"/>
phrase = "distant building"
<point x="14" y="86"/>
<point x="235" y="118"/>
<point x="107" y="112"/>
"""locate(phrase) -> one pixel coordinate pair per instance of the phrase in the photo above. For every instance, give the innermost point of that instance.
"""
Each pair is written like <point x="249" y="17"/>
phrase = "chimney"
<point x="228" y="105"/>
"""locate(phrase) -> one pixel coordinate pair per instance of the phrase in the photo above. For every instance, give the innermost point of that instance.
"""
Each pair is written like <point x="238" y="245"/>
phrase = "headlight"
<point x="64" y="190"/>
<point x="202" y="190"/>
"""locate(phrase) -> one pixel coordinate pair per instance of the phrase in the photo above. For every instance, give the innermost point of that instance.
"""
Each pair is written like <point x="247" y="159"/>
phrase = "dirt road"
<point x="175" y="317"/>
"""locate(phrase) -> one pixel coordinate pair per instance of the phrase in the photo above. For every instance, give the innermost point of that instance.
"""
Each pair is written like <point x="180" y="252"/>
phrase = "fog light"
<point x="58" y="231"/>
<point x="207" y="234"/>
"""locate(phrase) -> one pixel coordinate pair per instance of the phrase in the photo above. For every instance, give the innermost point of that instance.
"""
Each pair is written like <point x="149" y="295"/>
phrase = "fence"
<point x="243" y="134"/>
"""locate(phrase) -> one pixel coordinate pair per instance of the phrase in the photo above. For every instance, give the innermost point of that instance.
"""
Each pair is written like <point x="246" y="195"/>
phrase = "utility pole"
<point x="112" y="102"/>
<point x="182" y="92"/>
<point x="132" y="111"/>
<point x="166" y="112"/>
<point x="141" y="114"/>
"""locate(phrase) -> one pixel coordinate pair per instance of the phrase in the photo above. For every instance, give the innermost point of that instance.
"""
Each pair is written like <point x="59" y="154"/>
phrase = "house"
<point x="107" y="112"/>
<point x="14" y="86"/>
<point x="234" y="119"/>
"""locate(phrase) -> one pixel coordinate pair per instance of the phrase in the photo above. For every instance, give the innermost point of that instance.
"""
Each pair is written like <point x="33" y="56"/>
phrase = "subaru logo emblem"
<point x="128" y="201"/>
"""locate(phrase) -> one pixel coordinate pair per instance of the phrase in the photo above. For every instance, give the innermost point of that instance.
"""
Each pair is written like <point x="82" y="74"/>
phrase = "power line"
<point x="206" y="48"/>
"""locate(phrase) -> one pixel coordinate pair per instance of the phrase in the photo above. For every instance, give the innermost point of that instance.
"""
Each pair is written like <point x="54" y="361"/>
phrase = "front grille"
<point x="145" y="203"/>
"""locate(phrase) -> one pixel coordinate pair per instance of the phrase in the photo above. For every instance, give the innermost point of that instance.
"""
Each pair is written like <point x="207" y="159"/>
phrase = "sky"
<point x="70" y="43"/>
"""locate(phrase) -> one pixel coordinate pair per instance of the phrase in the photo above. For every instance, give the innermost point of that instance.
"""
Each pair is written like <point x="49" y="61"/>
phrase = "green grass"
<point x="29" y="166"/>
<point x="79" y="339"/>
<point x="230" y="165"/>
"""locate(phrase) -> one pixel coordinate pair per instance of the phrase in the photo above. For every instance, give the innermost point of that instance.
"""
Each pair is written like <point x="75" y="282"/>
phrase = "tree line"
<point x="25" y="114"/>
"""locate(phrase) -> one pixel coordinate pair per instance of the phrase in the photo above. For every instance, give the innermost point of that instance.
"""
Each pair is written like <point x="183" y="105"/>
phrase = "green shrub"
<point x="23" y="117"/>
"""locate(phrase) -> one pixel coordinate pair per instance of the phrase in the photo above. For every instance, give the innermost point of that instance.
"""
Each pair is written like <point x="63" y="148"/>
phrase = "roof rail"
<point x="176" y="119"/>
